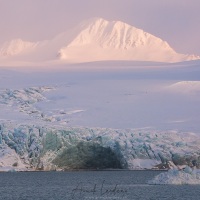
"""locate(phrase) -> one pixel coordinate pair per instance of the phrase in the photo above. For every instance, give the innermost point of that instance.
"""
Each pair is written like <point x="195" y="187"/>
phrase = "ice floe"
<point x="177" y="177"/>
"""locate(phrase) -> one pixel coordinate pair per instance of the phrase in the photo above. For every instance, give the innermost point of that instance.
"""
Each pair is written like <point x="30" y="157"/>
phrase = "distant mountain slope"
<point x="15" y="47"/>
<point x="94" y="40"/>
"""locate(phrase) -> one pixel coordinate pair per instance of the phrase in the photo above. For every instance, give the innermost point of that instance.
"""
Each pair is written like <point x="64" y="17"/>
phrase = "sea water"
<point x="83" y="185"/>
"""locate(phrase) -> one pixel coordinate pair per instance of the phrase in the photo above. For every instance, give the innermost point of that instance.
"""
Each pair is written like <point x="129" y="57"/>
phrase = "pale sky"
<point x="176" y="21"/>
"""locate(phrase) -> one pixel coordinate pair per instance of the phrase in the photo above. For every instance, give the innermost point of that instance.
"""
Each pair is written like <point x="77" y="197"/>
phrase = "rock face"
<point x="39" y="147"/>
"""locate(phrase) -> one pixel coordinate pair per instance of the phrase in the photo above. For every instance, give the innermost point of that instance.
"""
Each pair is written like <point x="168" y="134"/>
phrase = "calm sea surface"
<point x="90" y="185"/>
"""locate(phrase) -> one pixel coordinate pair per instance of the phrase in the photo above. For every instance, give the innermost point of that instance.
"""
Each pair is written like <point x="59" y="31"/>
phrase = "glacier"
<point x="98" y="118"/>
<point x="44" y="147"/>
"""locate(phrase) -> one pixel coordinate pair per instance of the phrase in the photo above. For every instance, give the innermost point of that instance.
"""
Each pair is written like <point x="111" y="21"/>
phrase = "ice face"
<point x="53" y="147"/>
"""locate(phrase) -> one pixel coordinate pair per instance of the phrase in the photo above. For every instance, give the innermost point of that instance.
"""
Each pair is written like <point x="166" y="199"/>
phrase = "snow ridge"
<point x="115" y="34"/>
<point x="16" y="47"/>
<point x="185" y="87"/>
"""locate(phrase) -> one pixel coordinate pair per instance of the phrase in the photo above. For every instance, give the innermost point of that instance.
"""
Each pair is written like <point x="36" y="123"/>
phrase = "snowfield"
<point x="127" y="115"/>
<point x="191" y="87"/>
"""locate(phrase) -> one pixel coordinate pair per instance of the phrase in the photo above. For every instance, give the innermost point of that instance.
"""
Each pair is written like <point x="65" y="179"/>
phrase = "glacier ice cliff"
<point x="45" y="147"/>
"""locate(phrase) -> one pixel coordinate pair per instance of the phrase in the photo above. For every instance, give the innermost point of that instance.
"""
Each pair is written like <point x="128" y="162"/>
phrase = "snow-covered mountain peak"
<point x="93" y="22"/>
<point x="114" y="34"/>
<point x="99" y="39"/>
<point x="94" y="40"/>
<point x="15" y="47"/>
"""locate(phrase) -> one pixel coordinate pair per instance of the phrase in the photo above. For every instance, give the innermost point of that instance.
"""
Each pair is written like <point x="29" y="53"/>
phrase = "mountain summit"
<point x="103" y="40"/>
<point x="96" y="40"/>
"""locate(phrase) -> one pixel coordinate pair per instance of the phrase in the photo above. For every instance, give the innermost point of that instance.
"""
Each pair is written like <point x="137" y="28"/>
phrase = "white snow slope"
<point x="15" y="47"/>
<point x="93" y="40"/>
